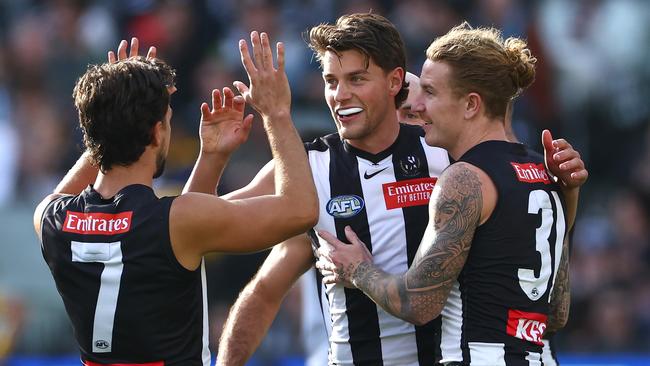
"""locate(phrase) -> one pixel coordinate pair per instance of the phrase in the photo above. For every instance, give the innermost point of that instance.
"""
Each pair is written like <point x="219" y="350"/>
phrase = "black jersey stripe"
<point x="410" y="162"/>
<point x="363" y="321"/>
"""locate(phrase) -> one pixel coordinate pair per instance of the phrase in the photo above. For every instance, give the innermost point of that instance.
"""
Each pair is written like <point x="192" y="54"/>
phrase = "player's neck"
<point x="109" y="183"/>
<point x="380" y="139"/>
<point x="481" y="131"/>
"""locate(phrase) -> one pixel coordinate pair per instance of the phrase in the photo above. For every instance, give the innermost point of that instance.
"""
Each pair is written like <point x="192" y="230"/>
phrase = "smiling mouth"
<point x="348" y="112"/>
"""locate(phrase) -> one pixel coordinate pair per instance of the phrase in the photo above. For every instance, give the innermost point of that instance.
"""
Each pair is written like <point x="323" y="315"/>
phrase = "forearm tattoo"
<point x="423" y="290"/>
<point x="561" y="296"/>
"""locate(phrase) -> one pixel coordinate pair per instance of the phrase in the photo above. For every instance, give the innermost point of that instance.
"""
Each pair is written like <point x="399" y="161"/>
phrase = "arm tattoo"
<point x="420" y="294"/>
<point x="561" y="296"/>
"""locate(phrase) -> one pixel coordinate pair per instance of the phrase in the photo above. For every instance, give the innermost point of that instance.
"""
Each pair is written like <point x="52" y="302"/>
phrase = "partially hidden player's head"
<point x="363" y="60"/>
<point x="471" y="75"/>
<point x="405" y="112"/>
<point x="123" y="109"/>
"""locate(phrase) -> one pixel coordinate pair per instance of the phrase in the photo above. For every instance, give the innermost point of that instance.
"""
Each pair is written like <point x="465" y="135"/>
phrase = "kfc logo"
<point x="527" y="326"/>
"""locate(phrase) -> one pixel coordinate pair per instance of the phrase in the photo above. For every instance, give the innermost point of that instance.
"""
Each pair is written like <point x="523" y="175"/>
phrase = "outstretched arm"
<point x="419" y="295"/>
<point x="258" y="304"/>
<point x="201" y="223"/>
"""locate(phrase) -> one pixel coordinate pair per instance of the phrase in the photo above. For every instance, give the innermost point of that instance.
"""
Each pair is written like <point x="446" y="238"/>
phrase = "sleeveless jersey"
<point x="384" y="198"/>
<point x="496" y="312"/>
<point x="130" y="301"/>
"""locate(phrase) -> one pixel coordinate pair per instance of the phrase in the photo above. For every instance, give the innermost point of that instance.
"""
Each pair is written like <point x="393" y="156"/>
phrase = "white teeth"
<point x="349" y="111"/>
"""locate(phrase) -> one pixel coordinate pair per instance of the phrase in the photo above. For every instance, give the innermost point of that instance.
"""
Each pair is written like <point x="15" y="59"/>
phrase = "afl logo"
<point x="342" y="207"/>
<point x="102" y="344"/>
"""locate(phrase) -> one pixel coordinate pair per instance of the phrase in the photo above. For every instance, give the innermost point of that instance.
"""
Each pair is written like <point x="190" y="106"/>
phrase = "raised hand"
<point x="563" y="161"/>
<point x="223" y="127"/>
<point x="121" y="51"/>
<point x="269" y="91"/>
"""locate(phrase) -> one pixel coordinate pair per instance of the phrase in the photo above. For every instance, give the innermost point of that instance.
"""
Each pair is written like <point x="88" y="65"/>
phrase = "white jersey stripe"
<point x="205" y="354"/>
<point x="334" y="296"/>
<point x="547" y="354"/>
<point x="438" y="159"/>
<point x="534" y="359"/>
<point x="487" y="354"/>
<point x="452" y="323"/>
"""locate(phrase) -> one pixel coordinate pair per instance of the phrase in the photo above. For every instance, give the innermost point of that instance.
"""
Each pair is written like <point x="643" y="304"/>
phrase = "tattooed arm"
<point x="558" y="313"/>
<point x="418" y="296"/>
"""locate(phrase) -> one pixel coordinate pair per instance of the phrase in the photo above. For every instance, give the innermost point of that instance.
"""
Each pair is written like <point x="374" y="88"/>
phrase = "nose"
<point x="342" y="92"/>
<point x="418" y="104"/>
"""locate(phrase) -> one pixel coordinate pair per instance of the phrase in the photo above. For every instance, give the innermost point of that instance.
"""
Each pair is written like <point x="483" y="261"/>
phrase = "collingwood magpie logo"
<point x="410" y="166"/>
<point x="342" y="207"/>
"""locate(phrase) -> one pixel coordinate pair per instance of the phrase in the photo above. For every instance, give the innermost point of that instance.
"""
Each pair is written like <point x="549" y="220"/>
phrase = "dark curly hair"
<point x="371" y="34"/>
<point x="118" y="105"/>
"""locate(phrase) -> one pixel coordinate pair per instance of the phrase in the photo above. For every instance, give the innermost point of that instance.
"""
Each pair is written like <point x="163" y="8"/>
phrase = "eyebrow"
<point x="405" y="106"/>
<point x="352" y="73"/>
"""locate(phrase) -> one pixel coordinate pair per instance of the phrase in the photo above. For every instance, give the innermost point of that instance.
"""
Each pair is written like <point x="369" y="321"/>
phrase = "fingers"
<point x="279" y="47"/>
<point x="352" y="236"/>
<point x="246" y="60"/>
<point x="135" y="44"/>
<point x="267" y="56"/>
<point x="573" y="164"/>
<point x="331" y="241"/>
<point x="133" y="51"/>
<point x="216" y="100"/>
<point x="152" y="52"/>
<point x="565" y="155"/>
<point x="121" y="50"/>
<point x="561" y="144"/>
<point x="238" y="103"/>
<point x="248" y="123"/>
<point x="580" y="175"/>
<point x="228" y="97"/>
<point x="243" y="90"/>
<point x="547" y="141"/>
<point x="257" y="50"/>
<point x="205" y="111"/>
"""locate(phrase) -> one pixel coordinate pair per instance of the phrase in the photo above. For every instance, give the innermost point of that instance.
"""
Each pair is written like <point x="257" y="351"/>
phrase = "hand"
<point x="563" y="162"/>
<point x="223" y="128"/>
<point x="121" y="51"/>
<point x="337" y="261"/>
<point x="269" y="91"/>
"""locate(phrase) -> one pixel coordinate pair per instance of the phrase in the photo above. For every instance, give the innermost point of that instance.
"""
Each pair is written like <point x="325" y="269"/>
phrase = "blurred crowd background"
<point x="592" y="87"/>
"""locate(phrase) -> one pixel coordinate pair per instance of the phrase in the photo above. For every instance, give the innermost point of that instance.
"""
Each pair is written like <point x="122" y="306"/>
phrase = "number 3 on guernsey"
<point x="111" y="255"/>
<point x="539" y="200"/>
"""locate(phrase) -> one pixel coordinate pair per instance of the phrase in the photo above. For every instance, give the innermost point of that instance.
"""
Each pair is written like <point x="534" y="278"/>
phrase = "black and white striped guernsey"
<point x="130" y="301"/>
<point x="384" y="198"/>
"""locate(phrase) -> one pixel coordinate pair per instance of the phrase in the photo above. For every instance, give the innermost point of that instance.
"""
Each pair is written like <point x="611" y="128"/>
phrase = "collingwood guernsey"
<point x="384" y="198"/>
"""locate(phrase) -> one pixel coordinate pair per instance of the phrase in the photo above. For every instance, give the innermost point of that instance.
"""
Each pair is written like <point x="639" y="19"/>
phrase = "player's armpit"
<point x="258" y="304"/>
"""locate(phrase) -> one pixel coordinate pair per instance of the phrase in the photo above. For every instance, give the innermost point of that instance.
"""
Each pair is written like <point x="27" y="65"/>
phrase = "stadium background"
<point x="593" y="87"/>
